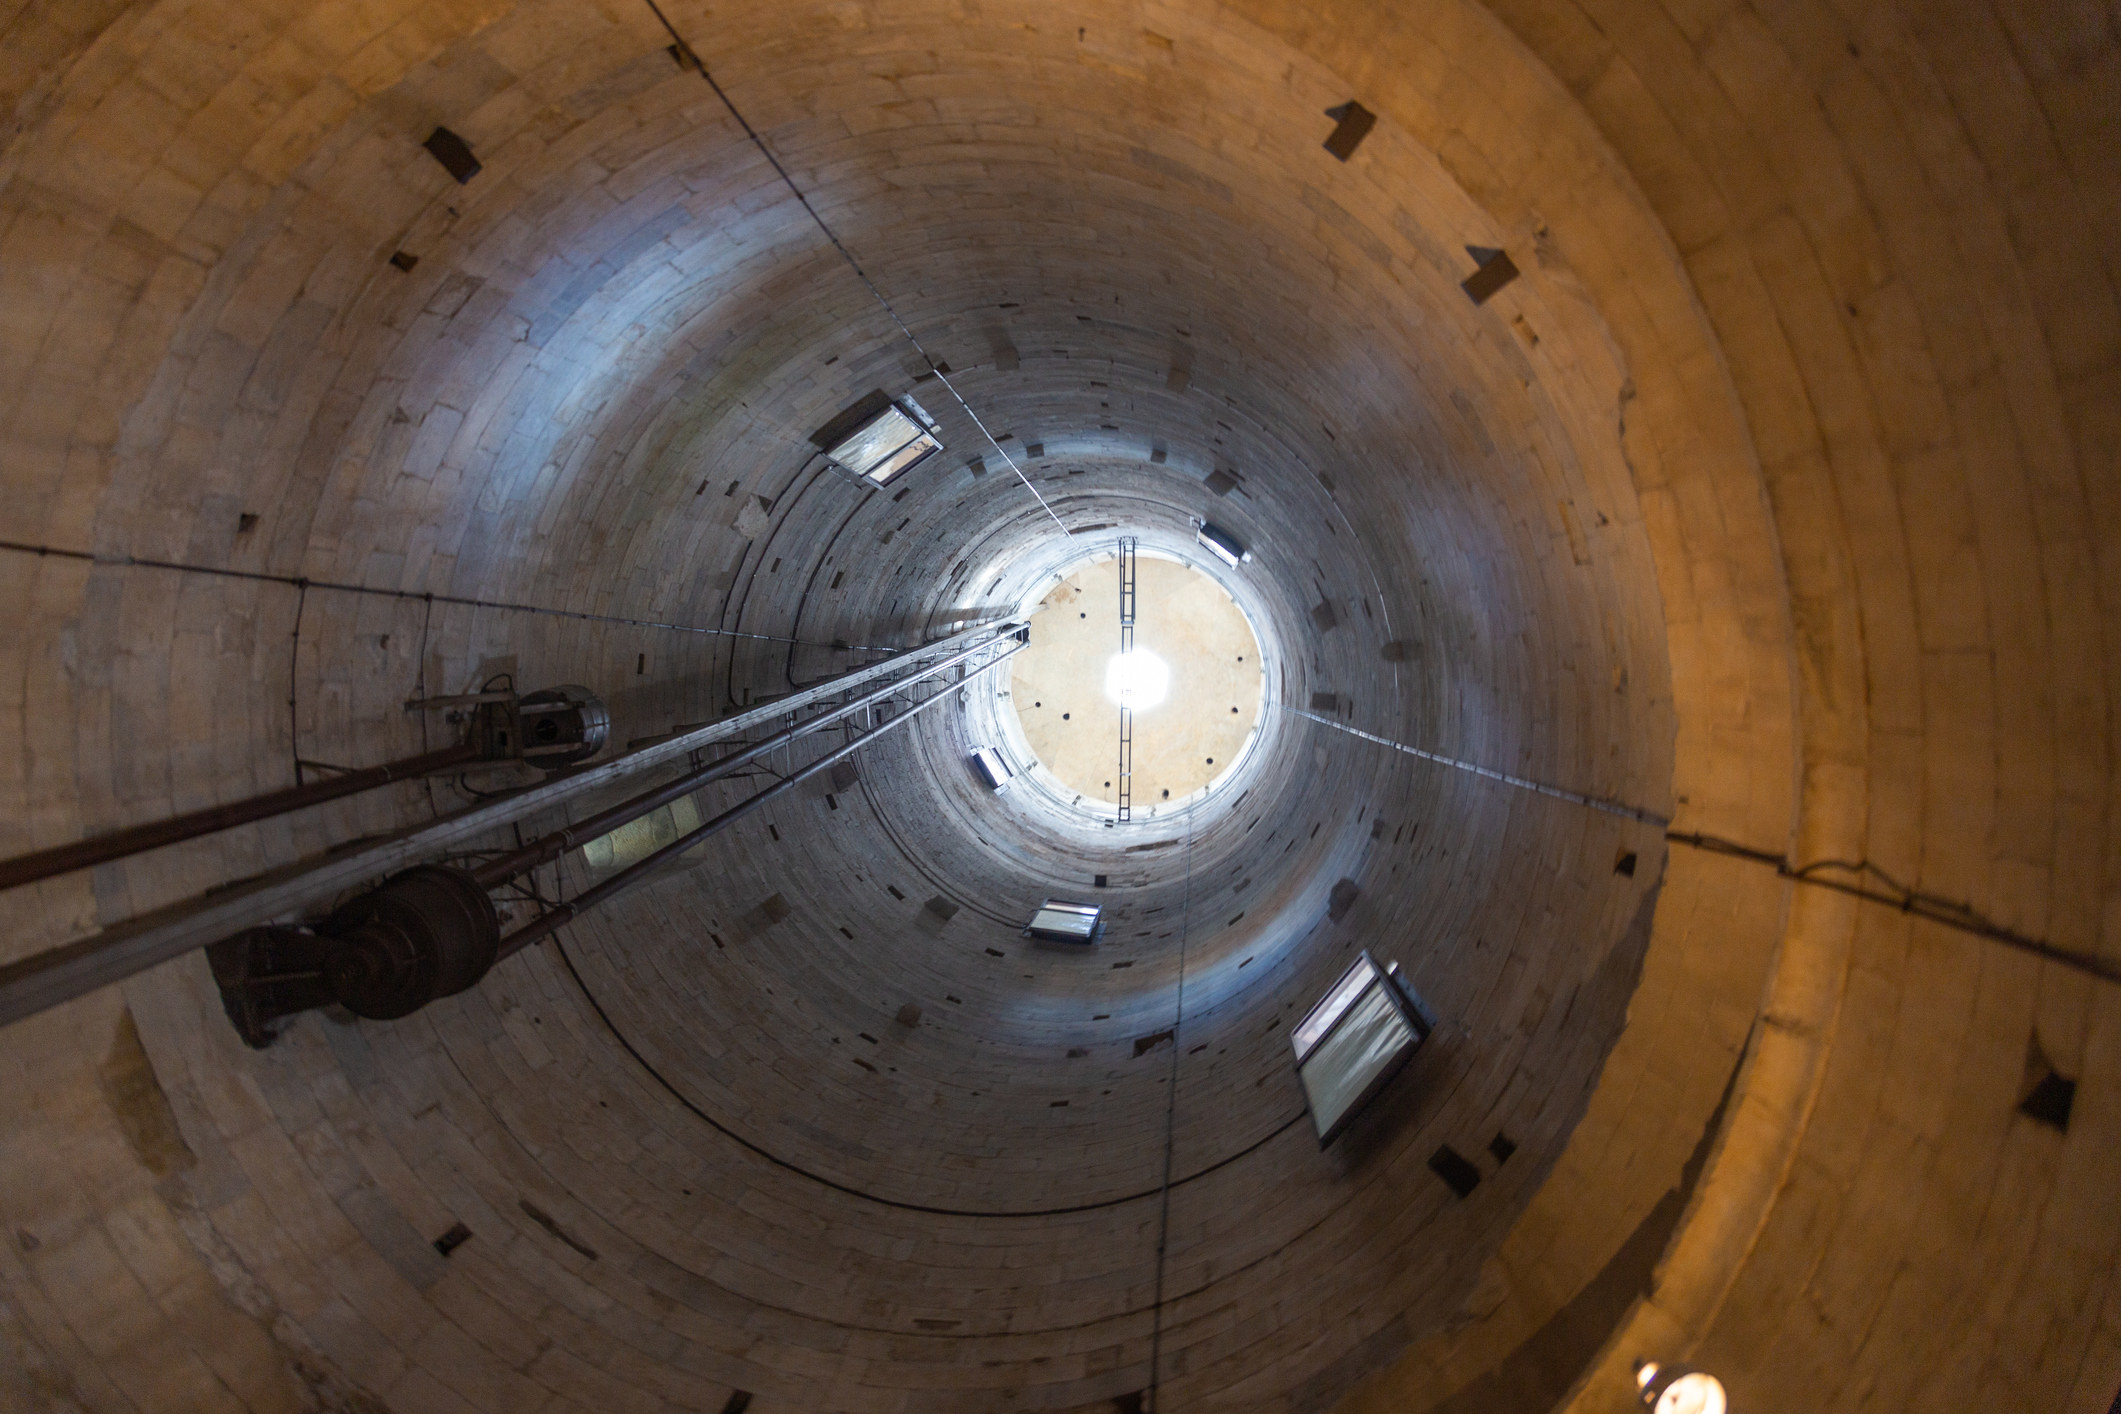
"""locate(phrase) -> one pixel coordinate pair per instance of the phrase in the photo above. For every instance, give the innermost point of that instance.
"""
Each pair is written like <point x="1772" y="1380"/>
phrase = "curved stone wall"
<point x="1770" y="498"/>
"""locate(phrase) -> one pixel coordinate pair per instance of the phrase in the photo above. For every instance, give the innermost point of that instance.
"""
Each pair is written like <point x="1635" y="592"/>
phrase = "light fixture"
<point x="1061" y="921"/>
<point x="1137" y="679"/>
<point x="992" y="768"/>
<point x="1678" y="1389"/>
<point x="1354" y="1041"/>
<point x="890" y="441"/>
<point x="1221" y="543"/>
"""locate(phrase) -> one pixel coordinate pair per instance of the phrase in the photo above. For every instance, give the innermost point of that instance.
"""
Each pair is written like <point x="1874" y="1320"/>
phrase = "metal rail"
<point x="1126" y="691"/>
<point x="634" y="873"/>
<point x="138" y="839"/>
<point x="547" y="848"/>
<point x="44" y="980"/>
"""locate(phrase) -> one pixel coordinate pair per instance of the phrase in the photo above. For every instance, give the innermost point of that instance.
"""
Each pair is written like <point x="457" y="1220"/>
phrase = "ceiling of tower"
<point x="1674" y="445"/>
<point x="1192" y="677"/>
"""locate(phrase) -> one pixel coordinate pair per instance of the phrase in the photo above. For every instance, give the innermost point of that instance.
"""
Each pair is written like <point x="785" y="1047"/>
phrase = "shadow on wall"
<point x="1535" y="1376"/>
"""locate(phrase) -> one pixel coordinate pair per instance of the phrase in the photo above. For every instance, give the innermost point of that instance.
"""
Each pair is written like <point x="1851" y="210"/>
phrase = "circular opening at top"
<point x="1190" y="672"/>
<point x="1137" y="678"/>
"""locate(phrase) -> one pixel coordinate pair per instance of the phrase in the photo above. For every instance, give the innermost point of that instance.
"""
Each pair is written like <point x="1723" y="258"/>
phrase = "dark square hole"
<point x="451" y="1240"/>
<point x="1496" y="270"/>
<point x="453" y="153"/>
<point x="1352" y="124"/>
<point x="1502" y="1146"/>
<point x="1625" y="864"/>
<point x="1455" y="1169"/>
<point x="2050" y="1101"/>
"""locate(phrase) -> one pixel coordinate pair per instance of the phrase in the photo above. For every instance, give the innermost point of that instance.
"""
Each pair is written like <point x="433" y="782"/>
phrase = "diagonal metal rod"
<point x="546" y="848"/>
<point x="634" y="873"/>
<point x="35" y="983"/>
<point x="138" y="839"/>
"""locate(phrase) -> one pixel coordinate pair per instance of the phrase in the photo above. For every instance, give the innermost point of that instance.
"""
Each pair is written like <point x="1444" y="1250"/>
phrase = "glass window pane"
<point x="1321" y="1019"/>
<point x="905" y="457"/>
<point x="1363" y="1047"/>
<point x="875" y="442"/>
<point x="1075" y="922"/>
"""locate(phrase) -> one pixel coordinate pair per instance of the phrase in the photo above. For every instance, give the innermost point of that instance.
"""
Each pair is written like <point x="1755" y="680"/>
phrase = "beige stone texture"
<point x="1779" y="496"/>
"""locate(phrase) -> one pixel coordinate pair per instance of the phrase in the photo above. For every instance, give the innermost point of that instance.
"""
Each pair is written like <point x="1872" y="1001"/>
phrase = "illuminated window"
<point x="637" y="839"/>
<point x="1059" y="921"/>
<point x="894" y="441"/>
<point x="1221" y="543"/>
<point x="1354" y="1041"/>
<point x="993" y="769"/>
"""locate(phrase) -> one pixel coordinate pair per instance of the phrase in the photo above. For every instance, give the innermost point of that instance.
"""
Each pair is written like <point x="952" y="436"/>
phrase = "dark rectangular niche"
<point x="1352" y="123"/>
<point x="453" y="153"/>
<point x="1496" y="270"/>
<point x="2051" y="1101"/>
<point x="1455" y="1169"/>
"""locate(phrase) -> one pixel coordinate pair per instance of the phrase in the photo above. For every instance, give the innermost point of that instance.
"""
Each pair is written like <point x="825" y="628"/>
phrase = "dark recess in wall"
<point x="453" y="153"/>
<point x="1345" y="892"/>
<point x="1496" y="270"/>
<point x="1455" y="1169"/>
<point x="1352" y="123"/>
<point x="1540" y="1371"/>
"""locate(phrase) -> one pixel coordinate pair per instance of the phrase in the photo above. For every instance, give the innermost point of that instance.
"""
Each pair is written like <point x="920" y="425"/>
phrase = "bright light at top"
<point x="1137" y="679"/>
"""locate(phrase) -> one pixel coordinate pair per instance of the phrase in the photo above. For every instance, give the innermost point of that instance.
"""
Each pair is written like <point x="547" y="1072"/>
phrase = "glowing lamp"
<point x="1678" y="1389"/>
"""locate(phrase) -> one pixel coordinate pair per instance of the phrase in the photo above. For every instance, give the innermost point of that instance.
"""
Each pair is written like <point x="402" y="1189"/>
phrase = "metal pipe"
<point x="138" y="839"/>
<point x="589" y="898"/>
<point x="548" y="847"/>
<point x="47" y="979"/>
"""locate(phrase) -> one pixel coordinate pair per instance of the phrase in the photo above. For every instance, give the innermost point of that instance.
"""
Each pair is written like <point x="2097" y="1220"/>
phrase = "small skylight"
<point x="893" y="442"/>
<point x="1353" y="1041"/>
<point x="1137" y="679"/>
<point x="1222" y="544"/>
<point x="1060" y="921"/>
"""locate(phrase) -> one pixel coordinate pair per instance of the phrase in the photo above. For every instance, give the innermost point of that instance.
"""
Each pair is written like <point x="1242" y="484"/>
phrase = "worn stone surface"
<point x="1776" y="494"/>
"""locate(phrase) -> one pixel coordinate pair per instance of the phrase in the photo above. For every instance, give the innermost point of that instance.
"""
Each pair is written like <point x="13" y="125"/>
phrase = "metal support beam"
<point x="634" y="873"/>
<point x="33" y="984"/>
<point x="547" y="848"/>
<point x="118" y="844"/>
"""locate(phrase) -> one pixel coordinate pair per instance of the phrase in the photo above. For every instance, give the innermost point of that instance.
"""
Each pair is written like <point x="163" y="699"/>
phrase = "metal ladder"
<point x="1126" y="696"/>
